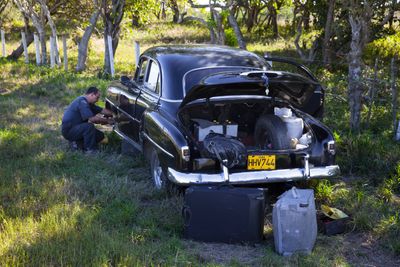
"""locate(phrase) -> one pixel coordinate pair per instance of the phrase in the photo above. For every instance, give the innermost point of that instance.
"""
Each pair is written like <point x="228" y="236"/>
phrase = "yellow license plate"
<point x="261" y="162"/>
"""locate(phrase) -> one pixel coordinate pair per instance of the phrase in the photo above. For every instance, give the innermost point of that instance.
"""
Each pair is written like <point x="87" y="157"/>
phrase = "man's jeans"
<point x="85" y="132"/>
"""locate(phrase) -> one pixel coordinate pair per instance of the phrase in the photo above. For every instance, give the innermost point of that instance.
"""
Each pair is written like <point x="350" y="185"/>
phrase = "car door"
<point x="127" y="122"/>
<point x="150" y="90"/>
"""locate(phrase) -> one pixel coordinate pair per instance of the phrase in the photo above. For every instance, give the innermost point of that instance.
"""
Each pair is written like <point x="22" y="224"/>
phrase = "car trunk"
<point x="236" y="128"/>
<point x="238" y="118"/>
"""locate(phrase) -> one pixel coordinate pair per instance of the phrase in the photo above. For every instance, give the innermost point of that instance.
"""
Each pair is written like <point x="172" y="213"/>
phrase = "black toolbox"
<point x="224" y="214"/>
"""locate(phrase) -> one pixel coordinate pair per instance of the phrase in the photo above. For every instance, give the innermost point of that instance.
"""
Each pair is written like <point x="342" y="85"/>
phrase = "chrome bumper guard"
<point x="255" y="177"/>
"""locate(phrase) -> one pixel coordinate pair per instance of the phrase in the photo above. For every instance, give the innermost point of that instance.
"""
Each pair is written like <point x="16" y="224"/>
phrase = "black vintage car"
<point x="211" y="114"/>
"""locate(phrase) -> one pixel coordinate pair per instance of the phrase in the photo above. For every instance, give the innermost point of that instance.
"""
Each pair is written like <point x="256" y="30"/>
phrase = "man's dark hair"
<point x="92" y="90"/>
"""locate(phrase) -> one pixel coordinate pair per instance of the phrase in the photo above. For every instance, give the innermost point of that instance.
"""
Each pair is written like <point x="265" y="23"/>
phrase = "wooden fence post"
<point x="37" y="48"/>
<point x="110" y="53"/>
<point x="57" y="51"/>
<point x="3" y="44"/>
<point x="64" y="39"/>
<point x="137" y="53"/>
<point x="52" y="56"/>
<point x="25" y="47"/>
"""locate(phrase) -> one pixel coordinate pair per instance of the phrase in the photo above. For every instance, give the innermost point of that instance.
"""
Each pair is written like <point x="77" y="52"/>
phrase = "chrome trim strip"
<point x="254" y="177"/>
<point x="157" y="145"/>
<point x="127" y="114"/>
<point x="123" y="111"/>
<point x="130" y="141"/>
<point x="109" y="101"/>
<point x="171" y="100"/>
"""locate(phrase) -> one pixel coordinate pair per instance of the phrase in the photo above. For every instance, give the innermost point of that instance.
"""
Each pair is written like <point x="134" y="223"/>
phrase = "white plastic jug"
<point x="294" y="222"/>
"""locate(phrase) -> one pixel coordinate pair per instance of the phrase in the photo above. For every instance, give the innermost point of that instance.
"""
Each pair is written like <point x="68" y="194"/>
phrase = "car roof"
<point x="177" y="60"/>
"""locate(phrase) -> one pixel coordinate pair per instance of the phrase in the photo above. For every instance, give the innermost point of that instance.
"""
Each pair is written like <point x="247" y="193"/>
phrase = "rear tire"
<point x="271" y="133"/>
<point x="156" y="171"/>
<point x="159" y="175"/>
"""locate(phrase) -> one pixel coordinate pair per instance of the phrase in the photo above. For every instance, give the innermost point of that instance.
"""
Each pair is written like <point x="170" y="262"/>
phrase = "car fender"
<point x="165" y="137"/>
<point x="323" y="135"/>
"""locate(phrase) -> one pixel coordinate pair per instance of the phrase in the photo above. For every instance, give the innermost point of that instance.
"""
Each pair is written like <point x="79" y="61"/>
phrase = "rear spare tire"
<point x="271" y="133"/>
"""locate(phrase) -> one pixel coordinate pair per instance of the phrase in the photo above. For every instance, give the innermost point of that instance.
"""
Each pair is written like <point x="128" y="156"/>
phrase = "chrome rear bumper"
<point x="255" y="177"/>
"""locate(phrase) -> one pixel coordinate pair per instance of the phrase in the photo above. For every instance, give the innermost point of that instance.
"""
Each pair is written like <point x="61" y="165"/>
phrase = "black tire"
<point x="156" y="170"/>
<point x="159" y="175"/>
<point x="271" y="133"/>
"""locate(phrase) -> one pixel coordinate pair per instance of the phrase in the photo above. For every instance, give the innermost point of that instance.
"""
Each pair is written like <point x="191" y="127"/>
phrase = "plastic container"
<point x="282" y="112"/>
<point x="294" y="222"/>
<point x="294" y="125"/>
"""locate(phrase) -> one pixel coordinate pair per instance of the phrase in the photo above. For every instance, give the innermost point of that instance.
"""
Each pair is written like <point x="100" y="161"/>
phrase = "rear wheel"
<point x="157" y="173"/>
<point x="271" y="133"/>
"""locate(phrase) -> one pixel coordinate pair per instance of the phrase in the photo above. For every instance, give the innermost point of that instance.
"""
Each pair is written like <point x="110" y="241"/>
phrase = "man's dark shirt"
<point x="79" y="111"/>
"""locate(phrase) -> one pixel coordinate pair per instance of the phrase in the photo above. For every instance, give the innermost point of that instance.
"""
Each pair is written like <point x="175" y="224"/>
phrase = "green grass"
<point x="64" y="208"/>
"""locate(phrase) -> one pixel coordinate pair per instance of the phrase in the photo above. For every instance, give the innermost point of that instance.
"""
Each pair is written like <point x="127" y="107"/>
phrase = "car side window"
<point x="153" y="78"/>
<point x="142" y="70"/>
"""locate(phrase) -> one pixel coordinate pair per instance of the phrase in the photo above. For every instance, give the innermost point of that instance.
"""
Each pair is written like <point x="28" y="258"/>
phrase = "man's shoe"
<point x="104" y="140"/>
<point x="73" y="145"/>
<point x="91" y="152"/>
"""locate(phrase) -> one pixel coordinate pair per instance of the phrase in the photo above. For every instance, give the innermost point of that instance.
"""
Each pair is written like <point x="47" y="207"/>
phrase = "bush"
<point x="367" y="154"/>
<point x="385" y="47"/>
<point x="230" y="37"/>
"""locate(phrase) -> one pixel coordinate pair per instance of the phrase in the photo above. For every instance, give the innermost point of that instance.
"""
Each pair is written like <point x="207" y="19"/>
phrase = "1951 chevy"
<point x="205" y="114"/>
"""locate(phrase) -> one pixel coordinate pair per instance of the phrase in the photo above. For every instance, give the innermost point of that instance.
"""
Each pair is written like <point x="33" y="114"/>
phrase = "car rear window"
<point x="193" y="77"/>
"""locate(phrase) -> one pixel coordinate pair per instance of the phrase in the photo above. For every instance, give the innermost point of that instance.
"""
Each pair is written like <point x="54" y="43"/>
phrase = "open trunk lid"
<point x="293" y="88"/>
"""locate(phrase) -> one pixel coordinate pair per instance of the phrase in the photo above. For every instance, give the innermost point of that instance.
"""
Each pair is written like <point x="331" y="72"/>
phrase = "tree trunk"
<point x="202" y="21"/>
<point x="236" y="29"/>
<point x="306" y="19"/>
<point x="163" y="12"/>
<point x="43" y="48"/>
<point x="251" y="18"/>
<point x="112" y="20"/>
<point x="355" y="87"/>
<point x="299" y="50"/>
<point x="273" y="19"/>
<point x="328" y="28"/>
<point x="175" y="10"/>
<point x="46" y="13"/>
<point x="219" y="28"/>
<point x="83" y="44"/>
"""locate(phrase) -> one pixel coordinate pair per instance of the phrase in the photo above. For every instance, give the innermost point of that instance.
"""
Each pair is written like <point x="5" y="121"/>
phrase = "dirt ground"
<point x="364" y="250"/>
<point x="356" y="250"/>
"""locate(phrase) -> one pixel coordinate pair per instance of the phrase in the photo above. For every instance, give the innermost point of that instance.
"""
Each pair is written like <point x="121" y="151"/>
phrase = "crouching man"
<point x="79" y="119"/>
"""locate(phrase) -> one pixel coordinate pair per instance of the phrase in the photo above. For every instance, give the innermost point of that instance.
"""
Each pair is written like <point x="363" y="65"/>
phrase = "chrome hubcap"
<point x="157" y="172"/>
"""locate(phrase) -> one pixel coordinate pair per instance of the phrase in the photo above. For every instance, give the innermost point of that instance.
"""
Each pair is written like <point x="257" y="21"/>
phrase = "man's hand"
<point x="99" y="119"/>
<point x="106" y="112"/>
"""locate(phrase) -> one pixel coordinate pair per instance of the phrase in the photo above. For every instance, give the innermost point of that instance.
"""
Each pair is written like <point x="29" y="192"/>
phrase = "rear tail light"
<point x="331" y="147"/>
<point x="185" y="153"/>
